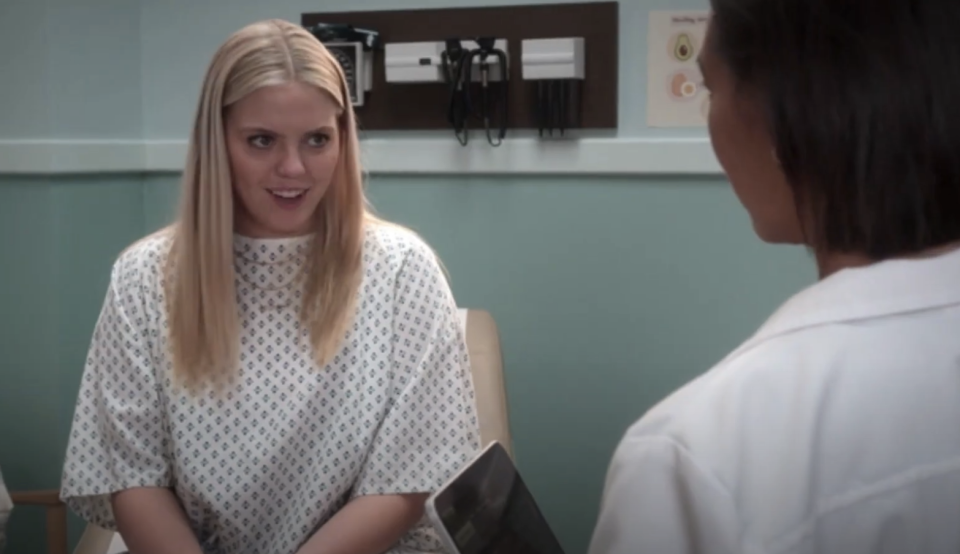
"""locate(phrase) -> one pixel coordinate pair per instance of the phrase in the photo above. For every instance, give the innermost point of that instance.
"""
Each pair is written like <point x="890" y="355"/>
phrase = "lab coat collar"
<point x="881" y="289"/>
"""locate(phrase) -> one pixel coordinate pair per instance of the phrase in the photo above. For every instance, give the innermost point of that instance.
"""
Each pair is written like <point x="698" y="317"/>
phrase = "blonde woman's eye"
<point x="318" y="140"/>
<point x="260" y="141"/>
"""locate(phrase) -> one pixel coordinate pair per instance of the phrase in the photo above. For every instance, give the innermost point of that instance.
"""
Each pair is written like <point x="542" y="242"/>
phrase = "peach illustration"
<point x="682" y="85"/>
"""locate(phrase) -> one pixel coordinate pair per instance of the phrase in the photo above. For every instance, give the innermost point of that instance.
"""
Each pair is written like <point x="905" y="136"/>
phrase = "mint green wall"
<point x="59" y="239"/>
<point x="609" y="293"/>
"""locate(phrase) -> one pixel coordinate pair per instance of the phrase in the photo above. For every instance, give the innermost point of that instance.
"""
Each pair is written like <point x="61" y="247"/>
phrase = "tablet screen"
<point x="488" y="510"/>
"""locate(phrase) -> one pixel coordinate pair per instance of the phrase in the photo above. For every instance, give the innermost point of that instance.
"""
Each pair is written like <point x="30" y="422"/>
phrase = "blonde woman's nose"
<point x="292" y="163"/>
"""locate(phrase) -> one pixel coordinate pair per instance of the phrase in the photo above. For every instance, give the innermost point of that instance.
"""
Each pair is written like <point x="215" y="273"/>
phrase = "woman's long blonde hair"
<point x="203" y="314"/>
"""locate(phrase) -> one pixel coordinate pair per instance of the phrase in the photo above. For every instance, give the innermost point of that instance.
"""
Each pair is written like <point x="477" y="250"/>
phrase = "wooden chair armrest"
<point x="56" y="515"/>
<point x="47" y="497"/>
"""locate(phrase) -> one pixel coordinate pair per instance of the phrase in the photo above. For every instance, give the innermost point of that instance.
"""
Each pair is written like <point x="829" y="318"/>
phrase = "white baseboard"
<point x="521" y="156"/>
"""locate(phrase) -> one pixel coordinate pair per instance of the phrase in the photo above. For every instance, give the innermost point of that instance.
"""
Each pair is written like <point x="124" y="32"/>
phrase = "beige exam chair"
<point x="486" y="363"/>
<point x="486" y="360"/>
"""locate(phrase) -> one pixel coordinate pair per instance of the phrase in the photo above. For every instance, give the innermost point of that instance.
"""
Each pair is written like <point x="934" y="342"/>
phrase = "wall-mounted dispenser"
<point x="558" y="65"/>
<point x="412" y="89"/>
<point x="354" y="49"/>
<point x="422" y="62"/>
<point x="475" y="71"/>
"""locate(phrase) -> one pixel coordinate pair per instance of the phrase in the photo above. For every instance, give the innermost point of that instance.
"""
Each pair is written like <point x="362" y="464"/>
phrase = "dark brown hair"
<point x="862" y="98"/>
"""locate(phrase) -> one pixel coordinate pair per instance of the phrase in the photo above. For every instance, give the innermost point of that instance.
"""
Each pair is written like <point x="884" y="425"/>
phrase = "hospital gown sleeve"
<point x="431" y="428"/>
<point x="659" y="500"/>
<point x="117" y="439"/>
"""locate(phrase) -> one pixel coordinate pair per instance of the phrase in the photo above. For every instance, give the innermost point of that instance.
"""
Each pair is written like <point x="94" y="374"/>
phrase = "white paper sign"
<point x="675" y="93"/>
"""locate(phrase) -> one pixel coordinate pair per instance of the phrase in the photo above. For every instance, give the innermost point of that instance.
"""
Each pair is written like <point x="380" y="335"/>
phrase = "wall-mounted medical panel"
<point x="421" y="56"/>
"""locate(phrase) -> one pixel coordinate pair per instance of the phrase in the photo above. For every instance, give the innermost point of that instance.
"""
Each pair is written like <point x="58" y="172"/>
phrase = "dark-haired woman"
<point x="835" y="429"/>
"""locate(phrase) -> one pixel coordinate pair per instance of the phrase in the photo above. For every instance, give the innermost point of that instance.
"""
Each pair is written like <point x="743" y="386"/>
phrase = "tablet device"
<point x="487" y="509"/>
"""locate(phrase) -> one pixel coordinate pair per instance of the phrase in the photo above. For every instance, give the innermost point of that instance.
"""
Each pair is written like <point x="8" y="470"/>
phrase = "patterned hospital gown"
<point x="260" y="470"/>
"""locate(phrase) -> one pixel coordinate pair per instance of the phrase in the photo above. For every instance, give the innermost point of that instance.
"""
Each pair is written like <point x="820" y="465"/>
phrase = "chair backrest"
<point x="486" y="361"/>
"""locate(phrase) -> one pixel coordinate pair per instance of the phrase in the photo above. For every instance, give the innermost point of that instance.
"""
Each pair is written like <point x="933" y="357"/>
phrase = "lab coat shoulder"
<point x="676" y="484"/>
<point x="709" y="416"/>
<point x="790" y="440"/>
<point x="659" y="498"/>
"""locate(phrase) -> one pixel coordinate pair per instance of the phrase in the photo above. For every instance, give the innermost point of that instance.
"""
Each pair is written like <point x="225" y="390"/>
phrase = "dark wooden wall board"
<point x="423" y="106"/>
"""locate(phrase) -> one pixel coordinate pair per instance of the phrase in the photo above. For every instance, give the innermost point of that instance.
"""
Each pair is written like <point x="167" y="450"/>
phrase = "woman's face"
<point x="746" y="153"/>
<point x="283" y="144"/>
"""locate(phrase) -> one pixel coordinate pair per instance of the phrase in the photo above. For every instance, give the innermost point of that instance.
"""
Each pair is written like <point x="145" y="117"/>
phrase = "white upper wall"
<point x="179" y="37"/>
<point x="70" y="69"/>
<point x="132" y="68"/>
<point x="24" y="87"/>
<point x="112" y="85"/>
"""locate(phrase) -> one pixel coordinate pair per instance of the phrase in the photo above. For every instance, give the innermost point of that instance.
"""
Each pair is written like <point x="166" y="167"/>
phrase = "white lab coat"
<point x="835" y="429"/>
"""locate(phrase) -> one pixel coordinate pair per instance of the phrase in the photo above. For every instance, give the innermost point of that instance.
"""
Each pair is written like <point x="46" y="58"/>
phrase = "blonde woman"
<point x="279" y="371"/>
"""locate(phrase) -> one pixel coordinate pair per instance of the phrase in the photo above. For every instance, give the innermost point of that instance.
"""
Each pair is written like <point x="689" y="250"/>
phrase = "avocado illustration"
<point x="683" y="48"/>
